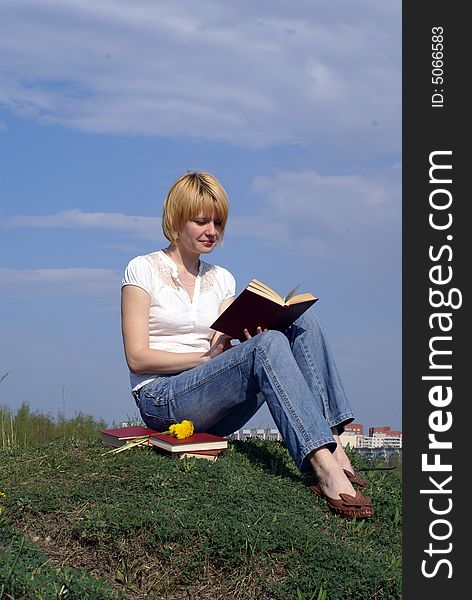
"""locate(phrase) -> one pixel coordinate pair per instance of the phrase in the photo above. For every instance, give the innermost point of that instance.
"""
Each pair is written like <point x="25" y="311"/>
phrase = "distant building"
<point x="355" y="428"/>
<point x="385" y="430"/>
<point x="379" y="437"/>
<point x="353" y="439"/>
<point x="379" y="453"/>
<point x="269" y="433"/>
<point x="389" y="441"/>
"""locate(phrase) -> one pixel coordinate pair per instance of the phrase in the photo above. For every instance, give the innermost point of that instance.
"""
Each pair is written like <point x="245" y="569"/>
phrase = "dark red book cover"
<point x="120" y="435"/>
<point x="250" y="310"/>
<point x="206" y="452"/>
<point x="197" y="441"/>
<point x="128" y="433"/>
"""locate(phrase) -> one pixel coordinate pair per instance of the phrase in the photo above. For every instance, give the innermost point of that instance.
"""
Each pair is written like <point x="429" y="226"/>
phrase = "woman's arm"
<point x="135" y="305"/>
<point x="217" y="334"/>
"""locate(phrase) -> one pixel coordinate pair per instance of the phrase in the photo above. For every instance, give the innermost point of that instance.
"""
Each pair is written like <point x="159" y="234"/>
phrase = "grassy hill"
<point x="80" y="525"/>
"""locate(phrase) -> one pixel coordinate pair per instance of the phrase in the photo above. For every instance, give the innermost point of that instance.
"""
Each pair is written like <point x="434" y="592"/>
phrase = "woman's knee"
<point x="272" y="339"/>
<point x="308" y="321"/>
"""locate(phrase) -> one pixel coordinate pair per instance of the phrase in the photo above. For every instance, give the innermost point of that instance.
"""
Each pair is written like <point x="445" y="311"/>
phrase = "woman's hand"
<point x="221" y="344"/>
<point x="258" y="330"/>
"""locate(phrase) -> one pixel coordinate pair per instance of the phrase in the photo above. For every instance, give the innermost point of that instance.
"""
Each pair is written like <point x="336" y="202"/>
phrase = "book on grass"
<point x="260" y="306"/>
<point x="119" y="436"/>
<point x="196" y="441"/>
<point x="211" y="455"/>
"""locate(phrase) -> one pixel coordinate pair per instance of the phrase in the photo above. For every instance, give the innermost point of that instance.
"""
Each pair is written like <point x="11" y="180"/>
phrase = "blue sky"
<point x="295" y="107"/>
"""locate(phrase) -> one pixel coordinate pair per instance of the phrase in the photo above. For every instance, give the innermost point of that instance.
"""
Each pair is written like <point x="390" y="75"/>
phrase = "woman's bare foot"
<point x="343" y="460"/>
<point x="340" y="455"/>
<point x="330" y="474"/>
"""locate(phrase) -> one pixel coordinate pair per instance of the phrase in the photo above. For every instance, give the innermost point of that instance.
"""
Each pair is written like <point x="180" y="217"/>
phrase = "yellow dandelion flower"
<point x="1" y="511"/>
<point x="3" y="495"/>
<point x="182" y="430"/>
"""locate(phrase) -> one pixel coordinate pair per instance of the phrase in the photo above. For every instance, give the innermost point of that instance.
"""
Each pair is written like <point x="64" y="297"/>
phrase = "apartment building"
<point x="355" y="428"/>
<point x="269" y="433"/>
<point x="379" y="437"/>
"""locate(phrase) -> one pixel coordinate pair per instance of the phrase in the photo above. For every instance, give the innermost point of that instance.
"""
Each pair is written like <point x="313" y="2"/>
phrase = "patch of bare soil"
<point x="133" y="568"/>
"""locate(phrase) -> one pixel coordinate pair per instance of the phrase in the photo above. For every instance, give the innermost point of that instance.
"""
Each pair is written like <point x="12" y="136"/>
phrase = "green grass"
<point x="25" y="572"/>
<point x="150" y="526"/>
<point x="24" y="427"/>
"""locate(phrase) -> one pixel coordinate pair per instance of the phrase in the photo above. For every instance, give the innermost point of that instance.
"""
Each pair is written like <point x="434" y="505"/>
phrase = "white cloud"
<point x="319" y="74"/>
<point x="346" y="215"/>
<point x="76" y="281"/>
<point x="148" y="227"/>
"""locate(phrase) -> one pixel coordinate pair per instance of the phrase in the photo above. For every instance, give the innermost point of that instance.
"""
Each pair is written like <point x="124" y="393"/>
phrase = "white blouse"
<point x="176" y="323"/>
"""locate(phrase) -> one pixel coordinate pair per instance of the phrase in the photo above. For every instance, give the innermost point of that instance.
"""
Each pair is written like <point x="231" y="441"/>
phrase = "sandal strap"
<point x="356" y="478"/>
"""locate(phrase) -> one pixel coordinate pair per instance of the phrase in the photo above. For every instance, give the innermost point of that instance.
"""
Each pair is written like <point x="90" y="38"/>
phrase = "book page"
<point x="301" y="298"/>
<point x="291" y="293"/>
<point x="264" y="290"/>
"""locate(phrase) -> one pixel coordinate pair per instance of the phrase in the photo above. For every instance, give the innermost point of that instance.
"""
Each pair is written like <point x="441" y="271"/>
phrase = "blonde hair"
<point x="191" y="195"/>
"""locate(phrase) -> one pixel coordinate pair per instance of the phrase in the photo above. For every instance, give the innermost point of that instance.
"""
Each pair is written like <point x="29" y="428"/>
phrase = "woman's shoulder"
<point x="146" y="261"/>
<point x="142" y="267"/>
<point x="151" y="269"/>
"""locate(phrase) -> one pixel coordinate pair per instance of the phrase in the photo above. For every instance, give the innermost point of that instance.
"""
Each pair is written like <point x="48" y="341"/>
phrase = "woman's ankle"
<point x="330" y="474"/>
<point x="340" y="455"/>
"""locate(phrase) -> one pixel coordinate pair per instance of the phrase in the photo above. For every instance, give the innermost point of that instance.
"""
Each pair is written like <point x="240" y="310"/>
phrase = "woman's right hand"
<point x="222" y="343"/>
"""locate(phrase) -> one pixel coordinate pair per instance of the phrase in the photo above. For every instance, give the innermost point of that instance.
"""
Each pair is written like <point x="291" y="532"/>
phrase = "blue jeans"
<point x="294" y="372"/>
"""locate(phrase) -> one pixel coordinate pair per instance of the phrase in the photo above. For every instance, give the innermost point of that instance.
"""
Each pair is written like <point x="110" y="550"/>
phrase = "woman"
<point x="182" y="369"/>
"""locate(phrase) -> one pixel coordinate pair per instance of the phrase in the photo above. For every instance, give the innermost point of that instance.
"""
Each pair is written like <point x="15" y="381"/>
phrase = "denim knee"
<point x="308" y="321"/>
<point x="273" y="340"/>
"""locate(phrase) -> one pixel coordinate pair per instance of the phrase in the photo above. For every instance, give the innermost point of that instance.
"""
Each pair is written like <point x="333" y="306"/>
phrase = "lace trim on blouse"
<point x="169" y="276"/>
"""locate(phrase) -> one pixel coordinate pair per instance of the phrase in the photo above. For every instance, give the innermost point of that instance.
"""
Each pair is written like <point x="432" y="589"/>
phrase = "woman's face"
<point x="200" y="235"/>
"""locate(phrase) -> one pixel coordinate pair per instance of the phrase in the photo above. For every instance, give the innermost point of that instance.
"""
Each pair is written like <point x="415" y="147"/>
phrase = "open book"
<point x="260" y="306"/>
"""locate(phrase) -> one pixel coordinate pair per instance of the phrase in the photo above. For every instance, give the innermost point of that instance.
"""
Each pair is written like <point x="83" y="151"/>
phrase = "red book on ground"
<point x="197" y="441"/>
<point x="203" y="452"/>
<point x="210" y="455"/>
<point x="119" y="436"/>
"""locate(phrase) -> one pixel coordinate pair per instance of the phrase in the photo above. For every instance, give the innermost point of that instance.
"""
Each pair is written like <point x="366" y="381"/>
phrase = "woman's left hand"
<point x="249" y="336"/>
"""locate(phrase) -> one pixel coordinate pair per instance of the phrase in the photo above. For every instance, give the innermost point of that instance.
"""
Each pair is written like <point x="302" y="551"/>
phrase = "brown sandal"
<point x="357" y="479"/>
<point x="358" y="506"/>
